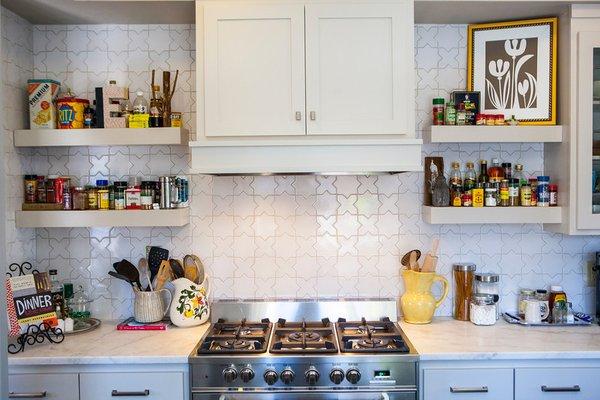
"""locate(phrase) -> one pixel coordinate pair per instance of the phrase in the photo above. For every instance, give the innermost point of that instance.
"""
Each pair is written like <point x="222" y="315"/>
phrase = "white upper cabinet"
<point x="254" y="70"/>
<point x="359" y="68"/>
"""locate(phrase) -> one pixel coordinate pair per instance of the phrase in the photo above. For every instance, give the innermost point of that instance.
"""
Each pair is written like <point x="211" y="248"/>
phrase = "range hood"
<point x="337" y="156"/>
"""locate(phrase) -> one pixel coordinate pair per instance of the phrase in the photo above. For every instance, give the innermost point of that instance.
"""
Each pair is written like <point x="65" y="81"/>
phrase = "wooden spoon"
<point x="405" y="260"/>
<point x="145" y="274"/>
<point x="163" y="275"/>
<point x="190" y="268"/>
<point x="201" y="272"/>
<point x="412" y="261"/>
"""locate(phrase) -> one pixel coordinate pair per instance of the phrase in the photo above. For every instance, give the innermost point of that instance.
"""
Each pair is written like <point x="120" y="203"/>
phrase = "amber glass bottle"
<point x="495" y="172"/>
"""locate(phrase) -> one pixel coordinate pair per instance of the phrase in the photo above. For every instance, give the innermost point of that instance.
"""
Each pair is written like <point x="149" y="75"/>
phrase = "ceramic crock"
<point x="190" y="303"/>
<point x="150" y="306"/>
<point x="417" y="302"/>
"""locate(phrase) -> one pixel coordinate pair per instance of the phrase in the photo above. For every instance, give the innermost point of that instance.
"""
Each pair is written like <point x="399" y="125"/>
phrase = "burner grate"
<point x="370" y="337"/>
<point x="304" y="337"/>
<point x="242" y="337"/>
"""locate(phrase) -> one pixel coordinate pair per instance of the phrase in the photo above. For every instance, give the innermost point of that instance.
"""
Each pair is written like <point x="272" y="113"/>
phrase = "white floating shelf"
<point x="492" y="215"/>
<point x="105" y="218"/>
<point x="100" y="137"/>
<point x="494" y="134"/>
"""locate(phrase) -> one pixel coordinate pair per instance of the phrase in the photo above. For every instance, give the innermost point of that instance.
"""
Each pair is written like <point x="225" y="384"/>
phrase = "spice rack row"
<point x="100" y="137"/>
<point x="103" y="218"/>
<point x="494" y="134"/>
<point x="492" y="215"/>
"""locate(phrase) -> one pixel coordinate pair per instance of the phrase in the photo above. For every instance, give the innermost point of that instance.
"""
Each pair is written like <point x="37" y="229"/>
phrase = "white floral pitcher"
<point x="190" y="303"/>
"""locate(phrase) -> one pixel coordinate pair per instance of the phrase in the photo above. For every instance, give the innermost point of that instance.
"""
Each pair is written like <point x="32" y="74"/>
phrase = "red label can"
<point x="59" y="187"/>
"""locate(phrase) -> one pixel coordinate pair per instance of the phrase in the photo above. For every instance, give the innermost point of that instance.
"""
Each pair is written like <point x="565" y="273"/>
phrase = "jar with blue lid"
<point x="543" y="191"/>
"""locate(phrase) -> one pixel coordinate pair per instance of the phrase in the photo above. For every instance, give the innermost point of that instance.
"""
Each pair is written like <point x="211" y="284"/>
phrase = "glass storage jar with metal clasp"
<point x="488" y="283"/>
<point x="483" y="309"/>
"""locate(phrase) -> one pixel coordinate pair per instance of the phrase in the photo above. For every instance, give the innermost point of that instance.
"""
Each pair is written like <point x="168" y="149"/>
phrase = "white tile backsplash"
<point x="264" y="237"/>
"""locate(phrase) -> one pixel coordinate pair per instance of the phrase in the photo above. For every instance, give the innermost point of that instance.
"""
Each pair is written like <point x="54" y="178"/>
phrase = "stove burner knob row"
<point x="246" y="374"/>
<point x="312" y="376"/>
<point x="270" y="377"/>
<point x="353" y="375"/>
<point x="336" y="376"/>
<point x="229" y="374"/>
<point x="287" y="376"/>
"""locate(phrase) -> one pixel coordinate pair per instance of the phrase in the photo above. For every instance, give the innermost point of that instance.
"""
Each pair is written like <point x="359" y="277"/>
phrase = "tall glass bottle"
<point x="470" y="177"/>
<point x="495" y="172"/>
<point x="483" y="174"/>
<point x="520" y="175"/>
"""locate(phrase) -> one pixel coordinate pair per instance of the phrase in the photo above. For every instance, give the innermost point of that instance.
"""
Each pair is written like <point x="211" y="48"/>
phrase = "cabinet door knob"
<point x="574" y="388"/>
<point x="116" y="393"/>
<point x="481" y="389"/>
<point x="313" y="115"/>
<point x="36" y="395"/>
<point x="298" y="116"/>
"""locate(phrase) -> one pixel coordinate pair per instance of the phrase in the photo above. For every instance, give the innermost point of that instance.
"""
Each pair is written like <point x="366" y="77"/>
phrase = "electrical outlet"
<point x="591" y="274"/>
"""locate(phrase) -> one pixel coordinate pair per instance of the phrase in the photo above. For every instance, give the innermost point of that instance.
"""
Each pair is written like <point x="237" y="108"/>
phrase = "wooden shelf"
<point x="492" y="215"/>
<point x="106" y="218"/>
<point x="494" y="134"/>
<point x="100" y="137"/>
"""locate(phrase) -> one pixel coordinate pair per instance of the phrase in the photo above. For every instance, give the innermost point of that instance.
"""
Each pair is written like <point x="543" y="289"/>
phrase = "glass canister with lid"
<point x="524" y="295"/>
<point x="483" y="309"/>
<point x="463" y="289"/>
<point x="488" y="283"/>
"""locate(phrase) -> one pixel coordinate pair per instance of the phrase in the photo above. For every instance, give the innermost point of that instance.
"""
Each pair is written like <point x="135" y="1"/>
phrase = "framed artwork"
<point x="513" y="65"/>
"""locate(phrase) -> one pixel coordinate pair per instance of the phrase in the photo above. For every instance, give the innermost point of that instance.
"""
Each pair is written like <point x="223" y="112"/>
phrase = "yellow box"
<point x="477" y="197"/>
<point x="139" y="120"/>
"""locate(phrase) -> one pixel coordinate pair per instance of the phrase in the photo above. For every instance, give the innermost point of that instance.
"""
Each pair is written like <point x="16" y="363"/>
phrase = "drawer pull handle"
<point x="575" y="388"/>
<point x="116" y="393"/>
<point x="37" y="395"/>
<point x="481" y="389"/>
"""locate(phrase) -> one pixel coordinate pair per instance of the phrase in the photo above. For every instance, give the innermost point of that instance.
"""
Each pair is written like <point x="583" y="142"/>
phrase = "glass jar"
<point x="147" y="195"/>
<point x="463" y="288"/>
<point x="488" y="283"/>
<point x="553" y="188"/>
<point x="450" y="114"/>
<point x="111" y="197"/>
<point x="120" y="195"/>
<point x="513" y="192"/>
<point x="67" y="199"/>
<point x="533" y="183"/>
<point x="92" y="197"/>
<point x="50" y="194"/>
<point x="491" y="194"/>
<point x="526" y="196"/>
<point x="79" y="198"/>
<point x="30" y="188"/>
<point x="524" y="295"/>
<point x="79" y="304"/>
<point x="102" y="193"/>
<point x="40" y="196"/>
<point x="504" y="195"/>
<point x="483" y="309"/>
<point x="543" y="191"/>
<point x="461" y="115"/>
<point x="438" y="111"/>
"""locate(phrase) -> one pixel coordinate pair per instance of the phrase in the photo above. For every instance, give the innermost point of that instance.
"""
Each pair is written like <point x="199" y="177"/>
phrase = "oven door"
<point x="363" y="394"/>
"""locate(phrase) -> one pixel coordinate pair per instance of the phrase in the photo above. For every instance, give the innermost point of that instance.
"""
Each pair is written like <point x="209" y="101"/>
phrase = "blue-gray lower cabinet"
<point x="557" y="383"/>
<point x="468" y="384"/>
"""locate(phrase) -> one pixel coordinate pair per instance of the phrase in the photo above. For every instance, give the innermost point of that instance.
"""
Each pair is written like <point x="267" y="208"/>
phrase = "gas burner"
<point x="236" y="337"/>
<point x="372" y="343"/>
<point x="235" y="344"/>
<point x="304" y="336"/>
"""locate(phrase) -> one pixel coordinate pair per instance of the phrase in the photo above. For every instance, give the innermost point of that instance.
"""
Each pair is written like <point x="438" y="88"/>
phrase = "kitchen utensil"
<point x="201" y="272"/>
<point x="156" y="255"/>
<point x="405" y="260"/>
<point x="430" y="261"/>
<point x="176" y="268"/>
<point x="190" y="305"/>
<point x="121" y="277"/>
<point x="417" y="302"/>
<point x="163" y="275"/>
<point x="129" y="270"/>
<point x="145" y="274"/>
<point x="150" y="306"/>
<point x="412" y="261"/>
<point x="190" y="268"/>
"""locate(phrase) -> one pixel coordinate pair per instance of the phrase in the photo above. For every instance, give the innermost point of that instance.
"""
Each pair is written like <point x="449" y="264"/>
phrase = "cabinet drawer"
<point x="458" y="384"/>
<point x="132" y="385"/>
<point x="44" y="386"/>
<point x="557" y="383"/>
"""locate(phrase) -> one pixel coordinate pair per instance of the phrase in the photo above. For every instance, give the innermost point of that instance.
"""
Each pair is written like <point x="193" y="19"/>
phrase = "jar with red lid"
<point x="553" y="188"/>
<point x="438" y="111"/>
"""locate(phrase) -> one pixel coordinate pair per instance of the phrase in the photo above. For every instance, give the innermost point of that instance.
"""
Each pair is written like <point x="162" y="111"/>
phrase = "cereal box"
<point x="42" y="113"/>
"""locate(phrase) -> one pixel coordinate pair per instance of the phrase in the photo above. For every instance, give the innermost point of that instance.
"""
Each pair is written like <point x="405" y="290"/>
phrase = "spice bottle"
<point x="50" y="194"/>
<point x="92" y="197"/>
<point x="504" y="193"/>
<point x="147" y="195"/>
<point x="463" y="289"/>
<point x="533" y="183"/>
<point x="507" y="168"/>
<point x="30" y="188"/>
<point x="470" y="177"/>
<point x="520" y="175"/>
<point x="102" y="193"/>
<point x="491" y="195"/>
<point x="156" y="108"/>
<point x="461" y="115"/>
<point x="438" y="111"/>
<point x="450" y="113"/>
<point x="553" y="188"/>
<point x="79" y="198"/>
<point x="483" y="174"/>
<point x="478" y="195"/>
<point x="543" y="191"/>
<point x="513" y="192"/>
<point x="526" y="196"/>
<point x="40" y="196"/>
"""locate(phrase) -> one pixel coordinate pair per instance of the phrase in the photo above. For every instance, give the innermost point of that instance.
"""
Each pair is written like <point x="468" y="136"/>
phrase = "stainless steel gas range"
<point x="304" y="351"/>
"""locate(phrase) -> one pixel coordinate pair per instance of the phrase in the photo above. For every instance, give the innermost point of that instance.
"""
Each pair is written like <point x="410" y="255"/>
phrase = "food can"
<point x="42" y="92"/>
<point x="59" y="188"/>
<point x="70" y="112"/>
<point x="175" y="120"/>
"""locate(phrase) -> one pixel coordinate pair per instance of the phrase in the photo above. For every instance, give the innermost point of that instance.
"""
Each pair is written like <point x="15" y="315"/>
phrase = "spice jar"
<point x="461" y="115"/>
<point x="67" y="200"/>
<point x="490" y="120"/>
<point x="147" y="195"/>
<point x="50" y="193"/>
<point x="524" y="295"/>
<point x="92" y="197"/>
<point x="543" y="191"/>
<point x="483" y="309"/>
<point x="30" y="188"/>
<point x="463" y="288"/>
<point x="491" y="192"/>
<point x="526" y="196"/>
<point x="120" y="187"/>
<point x="533" y="183"/>
<point x="450" y="114"/>
<point x="79" y="198"/>
<point x="504" y="193"/>
<point x="102" y="193"/>
<point x="40" y="196"/>
<point x="111" y="197"/>
<point x="488" y="283"/>
<point x="513" y="192"/>
<point x="438" y="111"/>
<point x="553" y="188"/>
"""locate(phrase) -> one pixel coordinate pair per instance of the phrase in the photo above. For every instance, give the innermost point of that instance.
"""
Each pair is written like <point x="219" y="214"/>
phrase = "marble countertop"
<point x="106" y="345"/>
<point x="448" y="339"/>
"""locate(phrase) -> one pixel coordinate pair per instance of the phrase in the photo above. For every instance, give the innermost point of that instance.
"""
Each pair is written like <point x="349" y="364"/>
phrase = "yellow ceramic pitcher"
<point x="417" y="302"/>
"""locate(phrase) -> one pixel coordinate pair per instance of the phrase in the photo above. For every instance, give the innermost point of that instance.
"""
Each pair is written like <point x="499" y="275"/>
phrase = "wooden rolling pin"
<point x="430" y="261"/>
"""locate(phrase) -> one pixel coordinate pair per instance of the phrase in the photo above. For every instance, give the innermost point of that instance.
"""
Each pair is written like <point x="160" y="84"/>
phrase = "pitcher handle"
<point x="444" y="283"/>
<point x="167" y="304"/>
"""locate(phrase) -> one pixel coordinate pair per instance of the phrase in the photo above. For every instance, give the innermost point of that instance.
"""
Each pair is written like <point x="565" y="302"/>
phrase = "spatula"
<point x="156" y="255"/>
<point x="129" y="270"/>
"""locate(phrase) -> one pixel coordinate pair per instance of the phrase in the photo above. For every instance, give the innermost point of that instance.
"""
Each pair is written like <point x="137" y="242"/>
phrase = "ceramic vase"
<point x="417" y="302"/>
<point x="190" y="305"/>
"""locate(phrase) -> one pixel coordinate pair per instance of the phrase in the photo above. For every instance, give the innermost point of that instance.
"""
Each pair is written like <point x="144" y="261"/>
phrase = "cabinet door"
<point x="588" y="131"/>
<point x="43" y="386"/>
<point x="468" y="384"/>
<point x="147" y="385"/>
<point x="359" y="68"/>
<point x="254" y="70"/>
<point x="557" y="383"/>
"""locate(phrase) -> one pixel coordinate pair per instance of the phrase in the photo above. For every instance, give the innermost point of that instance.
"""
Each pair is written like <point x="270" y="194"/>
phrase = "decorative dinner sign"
<point x="29" y="301"/>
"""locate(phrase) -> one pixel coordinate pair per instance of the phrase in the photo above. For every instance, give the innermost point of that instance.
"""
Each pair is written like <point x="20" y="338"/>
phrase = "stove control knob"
<point x="247" y="374"/>
<point x="229" y="374"/>
<point x="312" y="376"/>
<point x="270" y="377"/>
<point x="287" y="376"/>
<point x="336" y="376"/>
<point x="353" y="376"/>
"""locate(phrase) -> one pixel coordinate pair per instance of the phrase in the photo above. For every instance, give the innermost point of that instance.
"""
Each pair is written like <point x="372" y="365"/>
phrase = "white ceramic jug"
<point x="190" y="303"/>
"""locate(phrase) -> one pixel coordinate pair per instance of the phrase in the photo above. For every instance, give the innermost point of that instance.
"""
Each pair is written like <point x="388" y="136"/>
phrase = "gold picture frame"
<point x="527" y="49"/>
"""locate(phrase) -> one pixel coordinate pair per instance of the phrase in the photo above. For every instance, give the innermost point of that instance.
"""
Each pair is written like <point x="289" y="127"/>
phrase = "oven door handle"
<point x="382" y="396"/>
<point x="258" y="391"/>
